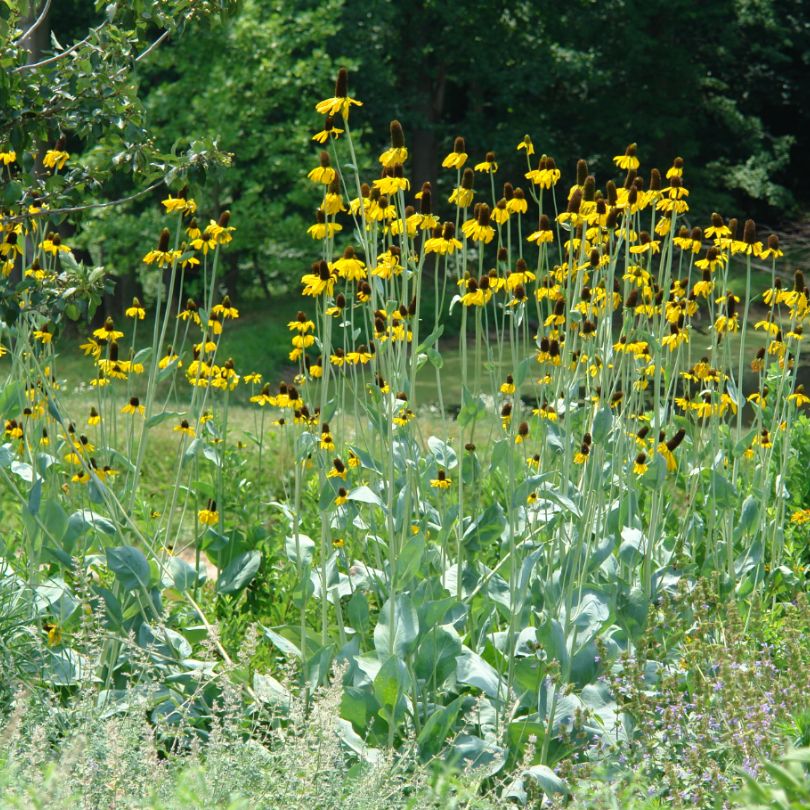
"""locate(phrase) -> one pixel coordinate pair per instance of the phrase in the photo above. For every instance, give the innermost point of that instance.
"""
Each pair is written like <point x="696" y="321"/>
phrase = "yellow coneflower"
<point x="43" y="334"/>
<point x="526" y="145"/>
<point x="640" y="465"/>
<point x="522" y="433"/>
<point x="136" y="310"/>
<point x="441" y="481"/>
<point x="94" y="418"/>
<point x="225" y="309"/>
<point x="8" y="157"/>
<point x="329" y="131"/>
<point x="457" y="158"/>
<point x="162" y="256"/>
<point x="320" y="282"/>
<point x="342" y="497"/>
<point x="341" y="102"/>
<point x="208" y="516"/>
<point x="628" y="161"/>
<point x="186" y="428"/>
<point x="799" y="397"/>
<point x="57" y="157"/>
<point x="338" y="469"/>
<point x="488" y="164"/>
<point x="181" y="204"/>
<point x="508" y="387"/>
<point x="133" y="406"/>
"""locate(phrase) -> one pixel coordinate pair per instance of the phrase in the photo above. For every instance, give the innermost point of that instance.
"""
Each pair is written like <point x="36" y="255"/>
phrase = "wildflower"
<point x="162" y="256"/>
<point x="320" y="282"/>
<point x="185" y="428"/>
<point x="457" y="158"/>
<point x="488" y="164"/>
<point x="43" y="335"/>
<point x="327" y="442"/>
<point x="349" y="266"/>
<point x="225" y="309"/>
<point x="338" y="469"/>
<point x="508" y="387"/>
<point x="527" y="145"/>
<point x="534" y="462"/>
<point x="133" y="406"/>
<point x="581" y="456"/>
<point x="676" y="170"/>
<point x="800" y="517"/>
<point x="56" y="158"/>
<point x="441" y="481"/>
<point x="640" y="465"/>
<point x="462" y="195"/>
<point x="329" y="131"/>
<point x="523" y="432"/>
<point x="136" y="310"/>
<point x="799" y="397"/>
<point x="190" y="312"/>
<point x="94" y="418"/>
<point x="517" y="204"/>
<point x="208" y="516"/>
<point x="341" y="102"/>
<point x="718" y="229"/>
<point x="108" y="332"/>
<point x="544" y="233"/>
<point x="323" y="229"/>
<point x="8" y="157"/>
<point x="398" y="152"/>
<point x="479" y="229"/>
<point x="322" y="173"/>
<point x="52" y="244"/>
<point x="342" y="497"/>
<point x="338" y="542"/>
<point x="546" y="174"/>
<point x="445" y="242"/>
<point x="772" y="251"/>
<point x="179" y="204"/>
<point x="477" y="296"/>
<point x="628" y="161"/>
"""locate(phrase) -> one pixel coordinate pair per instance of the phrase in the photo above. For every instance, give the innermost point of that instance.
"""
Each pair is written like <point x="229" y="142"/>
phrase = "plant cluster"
<point x="487" y="572"/>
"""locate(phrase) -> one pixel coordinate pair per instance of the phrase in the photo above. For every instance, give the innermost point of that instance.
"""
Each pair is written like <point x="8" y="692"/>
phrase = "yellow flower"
<point x="628" y="161"/>
<point x="320" y="282"/>
<point x="441" y="481"/>
<point x="640" y="465"/>
<point x="799" y="397"/>
<point x="94" y="418"/>
<point x="208" y="516"/>
<point x="341" y="497"/>
<point x="186" y="428"/>
<point x="107" y="332"/>
<point x="329" y="131"/>
<point x="322" y="173"/>
<point x="8" y="157"/>
<point x="800" y="517"/>
<point x="488" y="164"/>
<point x="179" y="204"/>
<point x="55" y="159"/>
<point x="136" y="310"/>
<point x="341" y="102"/>
<point x="133" y="406"/>
<point x="457" y="158"/>
<point x="526" y="144"/>
<point x="44" y="335"/>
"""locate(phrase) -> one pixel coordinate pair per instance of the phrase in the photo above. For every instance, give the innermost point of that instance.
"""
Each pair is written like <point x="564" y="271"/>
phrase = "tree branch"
<point x="39" y="20"/>
<point x="45" y="212"/>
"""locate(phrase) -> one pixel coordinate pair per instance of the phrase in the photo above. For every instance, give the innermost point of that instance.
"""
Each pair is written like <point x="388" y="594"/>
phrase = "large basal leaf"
<point x="239" y="572"/>
<point x="129" y="566"/>
<point x="397" y="637"/>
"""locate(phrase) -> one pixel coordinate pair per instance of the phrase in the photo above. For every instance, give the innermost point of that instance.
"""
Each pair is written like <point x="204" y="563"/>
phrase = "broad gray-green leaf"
<point x="129" y="566"/>
<point x="239" y="572"/>
<point x="475" y="671"/>
<point x="399" y="638"/>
